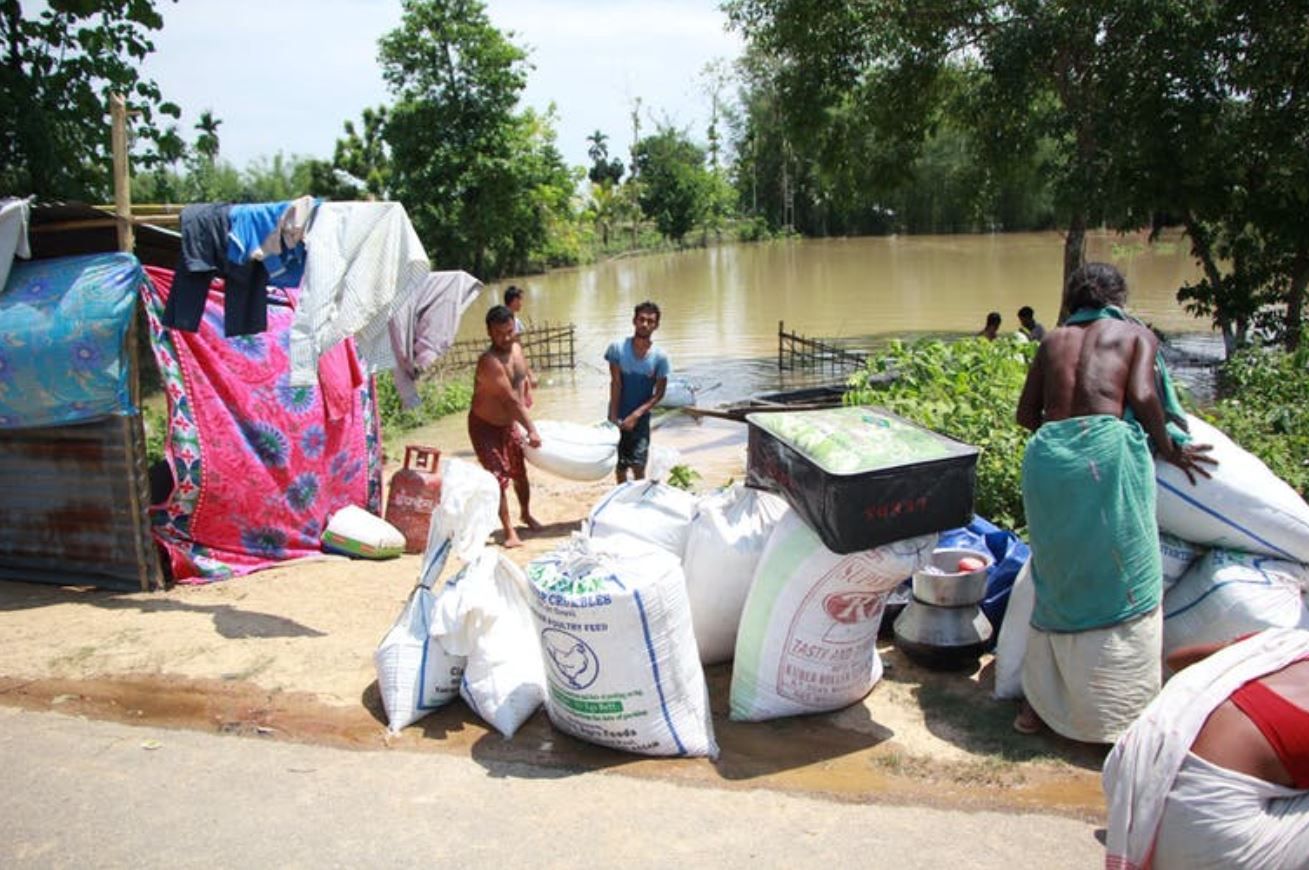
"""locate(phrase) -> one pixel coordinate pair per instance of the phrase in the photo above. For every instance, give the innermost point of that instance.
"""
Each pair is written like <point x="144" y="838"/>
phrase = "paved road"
<point x="88" y="793"/>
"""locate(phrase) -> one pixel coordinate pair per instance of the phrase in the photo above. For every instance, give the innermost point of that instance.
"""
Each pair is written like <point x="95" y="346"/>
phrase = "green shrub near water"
<point x="1266" y="410"/>
<point x="440" y="397"/>
<point x="968" y="390"/>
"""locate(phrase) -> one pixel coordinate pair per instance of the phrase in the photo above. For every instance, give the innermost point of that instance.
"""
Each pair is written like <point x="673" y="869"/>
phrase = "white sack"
<point x="726" y="539"/>
<point x="1243" y="506"/>
<point x="415" y="674"/>
<point x="615" y="633"/>
<point x="652" y="512"/>
<point x="808" y="633"/>
<point x="483" y="615"/>
<point x="575" y="452"/>
<point x="1011" y="645"/>
<point x="356" y="532"/>
<point x="661" y="462"/>
<point x="677" y="394"/>
<point x="1177" y="557"/>
<point x="1228" y="593"/>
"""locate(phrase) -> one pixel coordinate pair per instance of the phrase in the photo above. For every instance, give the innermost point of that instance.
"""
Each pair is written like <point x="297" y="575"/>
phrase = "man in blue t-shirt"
<point x="638" y="375"/>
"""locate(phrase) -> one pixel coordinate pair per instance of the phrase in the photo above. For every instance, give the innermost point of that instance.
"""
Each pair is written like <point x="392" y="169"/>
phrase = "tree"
<point x="59" y="67"/>
<point x="675" y="186"/>
<point x="454" y="134"/>
<point x="603" y="170"/>
<point x="366" y="157"/>
<point x="206" y="144"/>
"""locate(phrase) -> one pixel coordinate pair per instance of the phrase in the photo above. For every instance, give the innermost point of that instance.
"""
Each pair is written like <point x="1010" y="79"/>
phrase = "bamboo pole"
<point x="122" y="174"/>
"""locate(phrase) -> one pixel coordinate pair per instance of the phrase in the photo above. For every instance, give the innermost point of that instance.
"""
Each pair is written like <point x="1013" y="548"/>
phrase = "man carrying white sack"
<point x="1093" y="399"/>
<point x="1215" y="772"/>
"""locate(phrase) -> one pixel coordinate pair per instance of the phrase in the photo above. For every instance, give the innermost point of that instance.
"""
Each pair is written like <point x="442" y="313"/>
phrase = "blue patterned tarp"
<point x="62" y="328"/>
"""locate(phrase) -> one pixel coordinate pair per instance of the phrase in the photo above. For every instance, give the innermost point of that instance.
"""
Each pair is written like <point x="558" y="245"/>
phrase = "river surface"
<point x="722" y="306"/>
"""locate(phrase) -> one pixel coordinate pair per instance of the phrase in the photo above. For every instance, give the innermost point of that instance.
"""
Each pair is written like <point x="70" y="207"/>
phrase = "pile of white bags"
<point x="1177" y="557"/>
<point x="807" y="636"/>
<point x="483" y="616"/>
<point x="1243" y="506"/>
<point x="1227" y="594"/>
<point x="615" y="633"/>
<point x="575" y="452"/>
<point x="647" y="511"/>
<point x="415" y="673"/>
<point x="726" y="539"/>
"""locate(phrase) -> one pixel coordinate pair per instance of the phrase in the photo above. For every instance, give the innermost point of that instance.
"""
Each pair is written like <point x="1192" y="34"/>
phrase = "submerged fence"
<point x="798" y="351"/>
<point x="547" y="346"/>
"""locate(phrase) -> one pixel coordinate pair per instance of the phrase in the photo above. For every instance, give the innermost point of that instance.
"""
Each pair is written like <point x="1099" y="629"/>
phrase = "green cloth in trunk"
<point x="1089" y="493"/>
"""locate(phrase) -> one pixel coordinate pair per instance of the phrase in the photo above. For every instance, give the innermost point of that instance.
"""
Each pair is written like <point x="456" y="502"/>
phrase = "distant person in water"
<point x="992" y="328"/>
<point x="1031" y="329"/>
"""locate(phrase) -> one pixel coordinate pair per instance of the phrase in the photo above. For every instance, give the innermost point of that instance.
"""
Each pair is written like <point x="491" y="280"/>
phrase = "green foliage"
<point x="61" y="64"/>
<point x="156" y="433"/>
<point x="683" y="477"/>
<point x="969" y="391"/>
<point x="439" y="398"/>
<point x="674" y="184"/>
<point x="482" y="182"/>
<point x="1266" y="410"/>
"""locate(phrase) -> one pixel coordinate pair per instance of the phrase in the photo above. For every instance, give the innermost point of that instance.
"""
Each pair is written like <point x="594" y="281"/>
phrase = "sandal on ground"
<point x="1028" y="722"/>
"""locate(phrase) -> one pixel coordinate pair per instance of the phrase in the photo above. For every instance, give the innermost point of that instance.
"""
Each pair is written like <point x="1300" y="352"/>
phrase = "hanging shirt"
<point x="424" y="326"/>
<point x="362" y="258"/>
<point x="205" y="228"/>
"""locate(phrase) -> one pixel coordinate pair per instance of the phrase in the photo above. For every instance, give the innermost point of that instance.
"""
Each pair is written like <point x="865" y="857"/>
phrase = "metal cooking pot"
<point x="951" y="588"/>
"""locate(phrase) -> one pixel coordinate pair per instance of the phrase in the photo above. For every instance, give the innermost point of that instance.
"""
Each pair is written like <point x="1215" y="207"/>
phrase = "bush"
<point x="440" y="396"/>
<point x="1266" y="410"/>
<point x="968" y="390"/>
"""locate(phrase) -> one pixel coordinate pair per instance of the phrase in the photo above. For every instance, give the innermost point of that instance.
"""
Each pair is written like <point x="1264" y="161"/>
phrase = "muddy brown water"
<point x="722" y="305"/>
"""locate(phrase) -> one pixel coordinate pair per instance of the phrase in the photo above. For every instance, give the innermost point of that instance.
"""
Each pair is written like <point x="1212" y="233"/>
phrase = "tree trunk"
<point x="1295" y="300"/>
<point x="1074" y="257"/>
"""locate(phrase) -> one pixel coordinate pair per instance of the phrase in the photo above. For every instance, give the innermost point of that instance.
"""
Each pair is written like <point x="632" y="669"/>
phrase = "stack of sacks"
<point x="614" y="626"/>
<point x="415" y="673"/>
<point x="475" y="637"/>
<point x="1254" y="576"/>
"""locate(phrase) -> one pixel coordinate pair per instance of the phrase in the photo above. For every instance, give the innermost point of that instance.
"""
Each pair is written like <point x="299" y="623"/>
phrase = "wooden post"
<point x="122" y="175"/>
<point x="779" y="345"/>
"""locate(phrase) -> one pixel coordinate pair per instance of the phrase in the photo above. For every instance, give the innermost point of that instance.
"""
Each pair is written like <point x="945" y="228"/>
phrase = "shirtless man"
<point x="1091" y="397"/>
<point x="497" y="406"/>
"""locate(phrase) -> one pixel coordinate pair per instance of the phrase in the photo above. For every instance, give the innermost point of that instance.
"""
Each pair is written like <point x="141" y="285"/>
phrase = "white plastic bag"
<point x="483" y="616"/>
<point x="808" y="633"/>
<point x="615" y="632"/>
<point x="726" y="539"/>
<point x="1243" y="506"/>
<point x="353" y="531"/>
<point x="415" y="673"/>
<point x="1011" y="645"/>
<point x="575" y="452"/>
<point x="661" y="462"/>
<point x="1227" y="594"/>
<point x="645" y="510"/>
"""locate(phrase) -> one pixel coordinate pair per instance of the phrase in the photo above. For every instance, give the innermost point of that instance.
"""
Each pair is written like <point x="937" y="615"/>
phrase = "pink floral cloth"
<point x="259" y="465"/>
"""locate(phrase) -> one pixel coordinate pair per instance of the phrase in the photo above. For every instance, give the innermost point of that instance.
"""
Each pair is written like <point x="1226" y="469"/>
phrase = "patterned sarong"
<point x="498" y="448"/>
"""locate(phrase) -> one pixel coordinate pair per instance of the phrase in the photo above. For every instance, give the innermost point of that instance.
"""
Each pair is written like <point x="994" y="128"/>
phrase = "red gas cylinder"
<point x="414" y="493"/>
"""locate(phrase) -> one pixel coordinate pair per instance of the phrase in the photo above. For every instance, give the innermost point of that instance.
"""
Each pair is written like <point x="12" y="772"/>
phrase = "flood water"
<point x="722" y="306"/>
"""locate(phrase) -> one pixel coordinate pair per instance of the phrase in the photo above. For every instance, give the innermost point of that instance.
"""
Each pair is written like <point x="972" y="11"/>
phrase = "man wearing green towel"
<point x="1099" y="399"/>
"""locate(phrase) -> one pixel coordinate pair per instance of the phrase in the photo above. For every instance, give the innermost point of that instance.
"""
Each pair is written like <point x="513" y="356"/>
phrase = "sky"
<point x="285" y="75"/>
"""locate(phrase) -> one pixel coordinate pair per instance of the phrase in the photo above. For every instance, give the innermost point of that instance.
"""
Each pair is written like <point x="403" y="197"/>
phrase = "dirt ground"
<point x="287" y="654"/>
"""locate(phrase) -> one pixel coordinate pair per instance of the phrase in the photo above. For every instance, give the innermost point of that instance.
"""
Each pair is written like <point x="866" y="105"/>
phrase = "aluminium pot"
<point x="948" y="587"/>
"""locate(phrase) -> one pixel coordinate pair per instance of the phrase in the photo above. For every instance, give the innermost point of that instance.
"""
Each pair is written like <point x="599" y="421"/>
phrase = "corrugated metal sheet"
<point x="74" y="499"/>
<point x="73" y="505"/>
